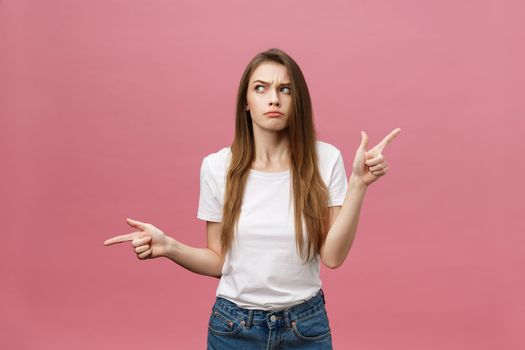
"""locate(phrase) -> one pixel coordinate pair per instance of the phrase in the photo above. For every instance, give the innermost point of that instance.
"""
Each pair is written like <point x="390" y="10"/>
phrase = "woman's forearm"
<point x="342" y="233"/>
<point x="203" y="261"/>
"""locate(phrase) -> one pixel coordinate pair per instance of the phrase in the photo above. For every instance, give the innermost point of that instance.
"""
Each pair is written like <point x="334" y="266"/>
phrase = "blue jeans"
<point x="302" y="326"/>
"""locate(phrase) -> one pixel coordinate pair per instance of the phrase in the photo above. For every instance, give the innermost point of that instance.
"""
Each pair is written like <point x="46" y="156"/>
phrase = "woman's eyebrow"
<point x="267" y="83"/>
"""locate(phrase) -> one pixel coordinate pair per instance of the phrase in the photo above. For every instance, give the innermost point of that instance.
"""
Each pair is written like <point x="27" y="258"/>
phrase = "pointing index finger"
<point x="122" y="238"/>
<point x="388" y="139"/>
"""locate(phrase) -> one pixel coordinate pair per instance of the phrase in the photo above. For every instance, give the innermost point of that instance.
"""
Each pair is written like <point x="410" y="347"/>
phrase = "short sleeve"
<point x="338" y="182"/>
<point x="209" y="206"/>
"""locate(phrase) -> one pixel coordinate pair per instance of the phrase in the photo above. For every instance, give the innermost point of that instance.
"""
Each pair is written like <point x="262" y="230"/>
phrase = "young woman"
<point x="276" y="203"/>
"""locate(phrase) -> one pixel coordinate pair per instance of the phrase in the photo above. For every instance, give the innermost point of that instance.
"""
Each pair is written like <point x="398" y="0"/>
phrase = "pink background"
<point x="108" y="107"/>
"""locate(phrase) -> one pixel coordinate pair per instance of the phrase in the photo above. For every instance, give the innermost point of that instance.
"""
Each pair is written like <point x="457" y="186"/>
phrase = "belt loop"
<point x="287" y="318"/>
<point x="322" y="294"/>
<point x="250" y="317"/>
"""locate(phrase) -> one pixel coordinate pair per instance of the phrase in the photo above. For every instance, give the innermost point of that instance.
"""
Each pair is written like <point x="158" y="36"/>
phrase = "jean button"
<point x="273" y="318"/>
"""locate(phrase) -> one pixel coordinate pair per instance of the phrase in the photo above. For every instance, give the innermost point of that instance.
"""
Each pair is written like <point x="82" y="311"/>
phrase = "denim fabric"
<point x="302" y="326"/>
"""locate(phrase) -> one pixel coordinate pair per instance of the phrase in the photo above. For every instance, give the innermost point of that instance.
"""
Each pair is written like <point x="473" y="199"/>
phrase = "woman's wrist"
<point x="356" y="182"/>
<point x="169" y="246"/>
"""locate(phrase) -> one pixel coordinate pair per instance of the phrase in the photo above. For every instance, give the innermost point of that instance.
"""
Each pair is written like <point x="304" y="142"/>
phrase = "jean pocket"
<point x="313" y="327"/>
<point x="221" y="324"/>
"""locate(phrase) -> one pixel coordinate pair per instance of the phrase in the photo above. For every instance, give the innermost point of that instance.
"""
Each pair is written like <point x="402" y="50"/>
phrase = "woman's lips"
<point x="273" y="114"/>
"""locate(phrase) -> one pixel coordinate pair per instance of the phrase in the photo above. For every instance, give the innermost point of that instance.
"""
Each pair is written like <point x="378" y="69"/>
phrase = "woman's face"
<point x="269" y="90"/>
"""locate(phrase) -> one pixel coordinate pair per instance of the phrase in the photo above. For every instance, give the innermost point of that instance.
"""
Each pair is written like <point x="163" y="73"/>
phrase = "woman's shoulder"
<point x="218" y="160"/>
<point x="327" y="156"/>
<point x="325" y="149"/>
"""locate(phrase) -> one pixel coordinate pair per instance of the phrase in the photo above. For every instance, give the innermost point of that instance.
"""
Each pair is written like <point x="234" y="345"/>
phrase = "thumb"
<point x="364" y="140"/>
<point x="136" y="224"/>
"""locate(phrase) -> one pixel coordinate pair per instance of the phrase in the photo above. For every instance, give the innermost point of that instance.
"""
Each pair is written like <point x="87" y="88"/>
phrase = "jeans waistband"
<point x="286" y="316"/>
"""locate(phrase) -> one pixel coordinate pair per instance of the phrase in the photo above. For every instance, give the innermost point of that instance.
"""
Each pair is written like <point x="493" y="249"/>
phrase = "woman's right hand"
<point x="149" y="242"/>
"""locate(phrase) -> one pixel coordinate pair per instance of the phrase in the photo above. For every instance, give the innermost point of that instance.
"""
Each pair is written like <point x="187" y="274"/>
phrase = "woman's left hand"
<point x="371" y="165"/>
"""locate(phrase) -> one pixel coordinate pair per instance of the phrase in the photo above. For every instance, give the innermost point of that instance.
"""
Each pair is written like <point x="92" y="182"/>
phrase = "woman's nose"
<point x="274" y="98"/>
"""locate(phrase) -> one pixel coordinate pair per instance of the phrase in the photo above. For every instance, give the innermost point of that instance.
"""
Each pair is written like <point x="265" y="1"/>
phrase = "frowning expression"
<point x="269" y="96"/>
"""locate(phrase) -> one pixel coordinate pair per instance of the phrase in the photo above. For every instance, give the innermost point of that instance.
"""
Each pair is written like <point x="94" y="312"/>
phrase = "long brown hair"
<point x="309" y="191"/>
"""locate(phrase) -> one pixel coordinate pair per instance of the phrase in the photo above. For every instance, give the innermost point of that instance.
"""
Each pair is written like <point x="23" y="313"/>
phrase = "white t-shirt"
<point x="263" y="269"/>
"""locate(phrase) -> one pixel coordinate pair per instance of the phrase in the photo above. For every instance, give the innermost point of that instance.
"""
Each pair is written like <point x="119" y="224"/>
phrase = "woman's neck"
<point x="272" y="151"/>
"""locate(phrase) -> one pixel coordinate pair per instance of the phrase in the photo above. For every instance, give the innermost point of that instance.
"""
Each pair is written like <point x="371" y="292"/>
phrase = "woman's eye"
<point x="284" y="89"/>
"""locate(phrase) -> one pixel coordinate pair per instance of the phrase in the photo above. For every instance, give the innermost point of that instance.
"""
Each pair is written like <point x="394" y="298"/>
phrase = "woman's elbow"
<point x="332" y="264"/>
